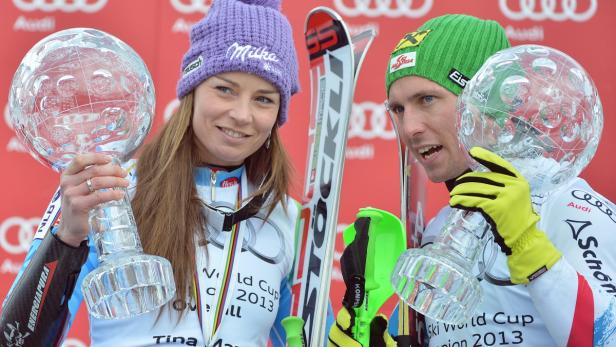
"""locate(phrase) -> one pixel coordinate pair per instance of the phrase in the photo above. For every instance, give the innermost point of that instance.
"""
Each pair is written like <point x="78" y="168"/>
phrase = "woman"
<point x="220" y="152"/>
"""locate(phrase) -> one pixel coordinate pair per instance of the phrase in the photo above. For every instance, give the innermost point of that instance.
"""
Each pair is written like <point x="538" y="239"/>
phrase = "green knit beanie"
<point x="447" y="50"/>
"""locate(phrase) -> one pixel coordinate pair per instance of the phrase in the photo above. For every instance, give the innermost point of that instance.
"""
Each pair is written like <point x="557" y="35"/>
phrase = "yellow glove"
<point x="379" y="336"/>
<point x="502" y="195"/>
<point x="341" y="333"/>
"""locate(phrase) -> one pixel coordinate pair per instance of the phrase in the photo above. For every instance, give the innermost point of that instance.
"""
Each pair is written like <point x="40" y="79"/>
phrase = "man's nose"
<point x="411" y="125"/>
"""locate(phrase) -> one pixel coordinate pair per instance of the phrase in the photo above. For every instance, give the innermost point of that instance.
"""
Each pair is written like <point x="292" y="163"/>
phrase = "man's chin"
<point x="439" y="177"/>
<point x="434" y="178"/>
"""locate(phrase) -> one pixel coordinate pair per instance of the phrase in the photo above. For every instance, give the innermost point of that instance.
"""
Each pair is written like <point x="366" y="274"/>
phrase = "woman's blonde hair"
<point x="166" y="206"/>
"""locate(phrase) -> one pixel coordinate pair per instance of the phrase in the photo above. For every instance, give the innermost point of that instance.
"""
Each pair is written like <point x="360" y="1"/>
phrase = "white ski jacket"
<point x="254" y="280"/>
<point x="573" y="304"/>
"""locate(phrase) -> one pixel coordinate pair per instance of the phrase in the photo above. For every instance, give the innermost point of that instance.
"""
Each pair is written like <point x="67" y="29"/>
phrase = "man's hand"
<point x="502" y="195"/>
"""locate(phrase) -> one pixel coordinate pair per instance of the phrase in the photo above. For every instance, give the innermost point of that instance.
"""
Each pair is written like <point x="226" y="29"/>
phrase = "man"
<point x="560" y="259"/>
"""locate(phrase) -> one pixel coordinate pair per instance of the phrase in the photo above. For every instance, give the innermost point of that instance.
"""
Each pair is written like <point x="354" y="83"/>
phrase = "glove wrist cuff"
<point x="535" y="256"/>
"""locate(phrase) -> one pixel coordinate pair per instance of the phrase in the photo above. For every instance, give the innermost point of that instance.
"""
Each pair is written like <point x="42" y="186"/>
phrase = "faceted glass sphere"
<point x="81" y="90"/>
<point x="537" y="108"/>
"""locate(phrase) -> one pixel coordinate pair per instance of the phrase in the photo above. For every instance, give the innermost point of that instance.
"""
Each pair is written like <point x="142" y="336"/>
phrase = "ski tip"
<point x="323" y="13"/>
<point x="325" y="31"/>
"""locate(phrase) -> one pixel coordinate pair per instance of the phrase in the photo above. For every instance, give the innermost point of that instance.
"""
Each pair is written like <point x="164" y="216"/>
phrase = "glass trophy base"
<point x="127" y="286"/>
<point x="433" y="283"/>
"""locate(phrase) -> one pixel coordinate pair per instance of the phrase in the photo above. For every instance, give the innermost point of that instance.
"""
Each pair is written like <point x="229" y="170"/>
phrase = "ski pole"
<point x="378" y="238"/>
<point x="294" y="327"/>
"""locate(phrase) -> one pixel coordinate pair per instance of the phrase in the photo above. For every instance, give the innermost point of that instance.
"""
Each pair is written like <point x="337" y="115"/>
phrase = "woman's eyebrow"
<point x="235" y="84"/>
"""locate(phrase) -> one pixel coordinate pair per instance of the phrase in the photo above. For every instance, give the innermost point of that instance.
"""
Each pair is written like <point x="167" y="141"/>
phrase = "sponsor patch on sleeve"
<point x="401" y="61"/>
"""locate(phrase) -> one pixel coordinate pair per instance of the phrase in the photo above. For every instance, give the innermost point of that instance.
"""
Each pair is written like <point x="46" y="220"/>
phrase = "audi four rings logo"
<point x="88" y="6"/>
<point x="387" y="8"/>
<point x="190" y="6"/>
<point x="369" y="120"/>
<point x="16" y="234"/>
<point x="549" y="9"/>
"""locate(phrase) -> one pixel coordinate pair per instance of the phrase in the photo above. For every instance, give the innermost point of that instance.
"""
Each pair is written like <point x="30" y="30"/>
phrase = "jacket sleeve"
<point x="46" y="294"/>
<point x="577" y="297"/>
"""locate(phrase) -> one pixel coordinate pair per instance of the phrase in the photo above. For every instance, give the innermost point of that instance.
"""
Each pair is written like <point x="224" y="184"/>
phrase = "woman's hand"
<point x="80" y="186"/>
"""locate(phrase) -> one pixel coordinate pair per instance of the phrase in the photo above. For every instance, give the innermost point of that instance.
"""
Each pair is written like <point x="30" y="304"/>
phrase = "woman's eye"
<point x="224" y="89"/>
<point x="264" y="100"/>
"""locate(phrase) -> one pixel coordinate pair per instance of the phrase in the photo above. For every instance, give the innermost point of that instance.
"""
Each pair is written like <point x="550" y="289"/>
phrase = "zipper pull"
<point x="212" y="185"/>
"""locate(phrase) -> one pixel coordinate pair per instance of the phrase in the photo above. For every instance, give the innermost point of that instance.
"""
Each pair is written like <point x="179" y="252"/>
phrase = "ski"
<point x="412" y="199"/>
<point x="335" y="60"/>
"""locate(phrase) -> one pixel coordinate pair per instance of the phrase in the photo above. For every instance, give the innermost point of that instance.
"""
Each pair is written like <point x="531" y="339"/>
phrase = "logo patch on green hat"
<point x="412" y="39"/>
<point x="401" y="61"/>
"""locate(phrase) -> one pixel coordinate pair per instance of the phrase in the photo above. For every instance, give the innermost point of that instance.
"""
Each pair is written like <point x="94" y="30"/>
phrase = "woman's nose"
<point x="241" y="111"/>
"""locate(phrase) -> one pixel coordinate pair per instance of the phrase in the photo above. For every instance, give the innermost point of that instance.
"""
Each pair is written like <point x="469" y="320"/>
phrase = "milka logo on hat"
<point x="412" y="39"/>
<point x="401" y="61"/>
<point x="193" y="65"/>
<point x="237" y="51"/>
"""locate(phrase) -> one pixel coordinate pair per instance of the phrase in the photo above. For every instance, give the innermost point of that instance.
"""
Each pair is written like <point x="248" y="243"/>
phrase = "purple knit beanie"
<point x="243" y="35"/>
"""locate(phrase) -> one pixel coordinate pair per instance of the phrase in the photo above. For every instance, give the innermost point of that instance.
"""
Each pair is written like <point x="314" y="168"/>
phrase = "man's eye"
<point x="428" y="99"/>
<point x="397" y="109"/>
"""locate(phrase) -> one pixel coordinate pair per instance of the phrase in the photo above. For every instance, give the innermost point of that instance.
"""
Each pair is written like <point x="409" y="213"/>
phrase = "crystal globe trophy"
<point x="538" y="109"/>
<point x="83" y="90"/>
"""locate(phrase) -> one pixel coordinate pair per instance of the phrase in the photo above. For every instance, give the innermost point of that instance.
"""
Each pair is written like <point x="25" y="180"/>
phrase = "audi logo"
<point x="387" y="8"/>
<point x="369" y="120"/>
<point x="270" y="230"/>
<point x="20" y="227"/>
<point x="88" y="6"/>
<point x="191" y="6"/>
<point x="548" y="9"/>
